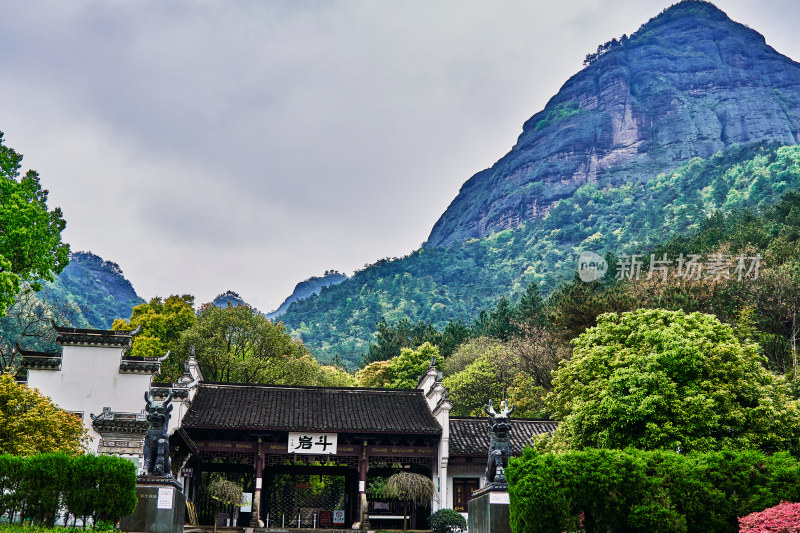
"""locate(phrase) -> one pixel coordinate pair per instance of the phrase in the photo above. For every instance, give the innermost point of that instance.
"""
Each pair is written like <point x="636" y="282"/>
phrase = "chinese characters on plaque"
<point x="690" y="266"/>
<point x="312" y="443"/>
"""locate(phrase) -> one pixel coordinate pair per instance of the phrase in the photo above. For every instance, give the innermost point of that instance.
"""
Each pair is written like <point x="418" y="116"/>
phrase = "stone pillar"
<point x="489" y="511"/>
<point x="259" y="466"/>
<point x="363" y="466"/>
<point x="444" y="489"/>
<point x="160" y="506"/>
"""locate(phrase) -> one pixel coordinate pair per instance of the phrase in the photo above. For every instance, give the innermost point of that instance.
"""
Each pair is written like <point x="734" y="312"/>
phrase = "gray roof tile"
<point x="469" y="437"/>
<point x="283" y="408"/>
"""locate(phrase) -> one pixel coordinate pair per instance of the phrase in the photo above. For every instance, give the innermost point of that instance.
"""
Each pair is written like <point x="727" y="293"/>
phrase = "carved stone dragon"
<point x="156" y="443"/>
<point x="499" y="445"/>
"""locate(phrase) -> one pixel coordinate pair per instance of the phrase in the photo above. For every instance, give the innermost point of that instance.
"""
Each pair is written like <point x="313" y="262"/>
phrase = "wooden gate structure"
<point x="304" y="454"/>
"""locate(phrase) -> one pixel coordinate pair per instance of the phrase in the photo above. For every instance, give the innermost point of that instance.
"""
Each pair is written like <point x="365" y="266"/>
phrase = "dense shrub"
<point x="10" y="474"/>
<point x="116" y="488"/>
<point x="79" y="500"/>
<point x="447" y="521"/>
<point x="44" y="479"/>
<point x="658" y="491"/>
<point x="101" y="487"/>
<point x="783" y="518"/>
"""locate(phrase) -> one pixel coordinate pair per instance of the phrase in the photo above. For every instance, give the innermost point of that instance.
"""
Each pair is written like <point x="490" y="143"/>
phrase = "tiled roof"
<point x="276" y="408"/>
<point x="94" y="337"/>
<point x="470" y="436"/>
<point x="39" y="360"/>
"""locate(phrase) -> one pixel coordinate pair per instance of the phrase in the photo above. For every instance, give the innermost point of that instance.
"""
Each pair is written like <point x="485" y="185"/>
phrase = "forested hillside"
<point x="94" y="288"/>
<point x="691" y="114"/>
<point x="438" y="285"/>
<point x="306" y="288"/>
<point x="89" y="293"/>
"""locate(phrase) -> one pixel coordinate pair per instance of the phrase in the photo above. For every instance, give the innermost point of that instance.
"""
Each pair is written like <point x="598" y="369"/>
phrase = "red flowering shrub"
<point x="783" y="518"/>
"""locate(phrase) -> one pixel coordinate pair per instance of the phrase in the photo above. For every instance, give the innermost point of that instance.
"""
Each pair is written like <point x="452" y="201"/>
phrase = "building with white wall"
<point x="93" y="378"/>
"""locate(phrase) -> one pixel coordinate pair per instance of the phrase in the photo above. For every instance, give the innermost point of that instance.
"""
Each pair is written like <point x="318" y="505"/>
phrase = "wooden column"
<point x="259" y="466"/>
<point x="363" y="466"/>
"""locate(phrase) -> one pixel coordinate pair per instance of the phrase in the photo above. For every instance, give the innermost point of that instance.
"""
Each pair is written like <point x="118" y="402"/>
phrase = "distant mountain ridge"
<point x="307" y="288"/>
<point x="228" y="298"/>
<point x="689" y="83"/>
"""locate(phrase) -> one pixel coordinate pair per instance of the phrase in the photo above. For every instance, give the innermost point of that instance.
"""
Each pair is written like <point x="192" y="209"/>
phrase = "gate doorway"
<point x="208" y="510"/>
<point x="308" y="496"/>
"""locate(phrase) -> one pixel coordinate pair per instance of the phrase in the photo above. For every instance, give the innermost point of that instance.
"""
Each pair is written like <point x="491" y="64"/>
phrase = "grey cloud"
<point x="248" y="145"/>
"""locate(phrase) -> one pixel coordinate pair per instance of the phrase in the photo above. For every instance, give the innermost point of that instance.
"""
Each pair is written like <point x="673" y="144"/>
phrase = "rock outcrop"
<point x="688" y="83"/>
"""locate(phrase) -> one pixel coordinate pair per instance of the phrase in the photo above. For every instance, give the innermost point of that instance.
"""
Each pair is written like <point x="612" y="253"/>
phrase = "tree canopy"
<point x="401" y="372"/>
<point x="30" y="423"/>
<point x="238" y="344"/>
<point x="656" y="379"/>
<point x="30" y="235"/>
<point x="486" y="369"/>
<point x="162" y="323"/>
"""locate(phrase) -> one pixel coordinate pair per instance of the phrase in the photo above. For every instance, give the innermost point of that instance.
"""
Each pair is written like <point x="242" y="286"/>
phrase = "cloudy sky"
<point x="209" y="145"/>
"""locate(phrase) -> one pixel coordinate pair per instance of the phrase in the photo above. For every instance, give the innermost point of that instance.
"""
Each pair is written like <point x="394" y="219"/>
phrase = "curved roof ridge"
<point x="310" y="387"/>
<point x="302" y="408"/>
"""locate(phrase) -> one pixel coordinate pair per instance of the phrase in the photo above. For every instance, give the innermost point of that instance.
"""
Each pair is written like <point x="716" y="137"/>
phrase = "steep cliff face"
<point x="688" y="83"/>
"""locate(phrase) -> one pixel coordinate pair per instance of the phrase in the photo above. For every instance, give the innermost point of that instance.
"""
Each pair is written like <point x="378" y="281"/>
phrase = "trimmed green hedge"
<point x="659" y="491"/>
<point x="101" y="487"/>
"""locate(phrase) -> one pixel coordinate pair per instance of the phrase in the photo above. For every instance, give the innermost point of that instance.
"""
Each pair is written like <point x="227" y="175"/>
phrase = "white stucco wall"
<point x="89" y="380"/>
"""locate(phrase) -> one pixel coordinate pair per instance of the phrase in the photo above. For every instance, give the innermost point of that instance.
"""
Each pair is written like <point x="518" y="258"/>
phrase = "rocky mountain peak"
<point x="690" y="82"/>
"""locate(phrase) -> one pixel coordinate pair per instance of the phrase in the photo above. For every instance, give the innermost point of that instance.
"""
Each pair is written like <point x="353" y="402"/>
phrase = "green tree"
<point x="30" y="235"/>
<point x="30" y="423"/>
<point x="454" y="335"/>
<point x="226" y="494"/>
<point x="408" y="367"/>
<point x="473" y="387"/>
<point x="162" y="323"/>
<point x="27" y="325"/>
<point x="499" y="323"/>
<point x="409" y="487"/>
<point x="478" y="371"/>
<point x="238" y="344"/>
<point x="656" y="379"/>
<point x="375" y="375"/>
<point x="391" y="338"/>
<point x="401" y="372"/>
<point x="575" y="306"/>
<point x="486" y="369"/>
<point x="530" y="309"/>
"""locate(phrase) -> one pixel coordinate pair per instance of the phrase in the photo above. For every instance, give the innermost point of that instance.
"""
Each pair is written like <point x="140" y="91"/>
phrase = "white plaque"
<point x="499" y="497"/>
<point x="165" y="498"/>
<point x="247" y="502"/>
<point x="362" y="486"/>
<point x="312" y="443"/>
